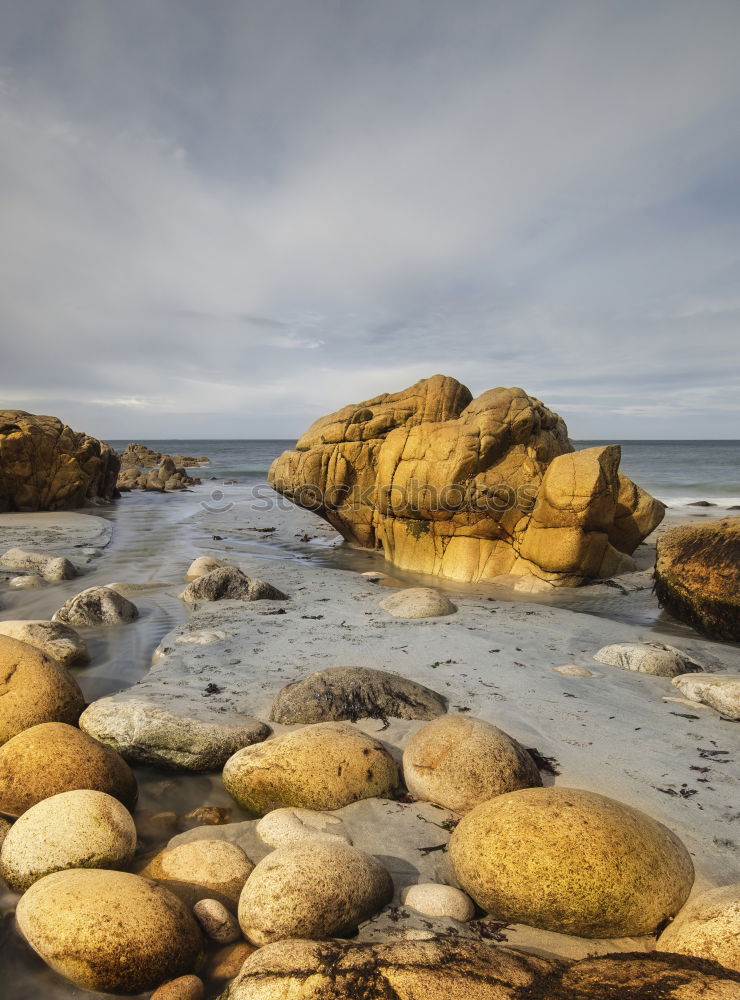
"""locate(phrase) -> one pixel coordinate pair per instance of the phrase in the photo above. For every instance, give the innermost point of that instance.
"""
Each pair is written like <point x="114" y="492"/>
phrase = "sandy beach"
<point x="626" y="735"/>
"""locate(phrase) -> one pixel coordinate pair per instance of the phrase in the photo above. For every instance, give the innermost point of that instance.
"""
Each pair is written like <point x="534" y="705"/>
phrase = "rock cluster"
<point x="697" y="576"/>
<point x="142" y="455"/>
<point x="470" y="489"/>
<point x="44" y="465"/>
<point x="165" y="477"/>
<point x="52" y="568"/>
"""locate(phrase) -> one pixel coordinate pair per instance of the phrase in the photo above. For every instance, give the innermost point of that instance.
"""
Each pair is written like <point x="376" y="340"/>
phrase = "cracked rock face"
<point x="45" y="465"/>
<point x="469" y="489"/>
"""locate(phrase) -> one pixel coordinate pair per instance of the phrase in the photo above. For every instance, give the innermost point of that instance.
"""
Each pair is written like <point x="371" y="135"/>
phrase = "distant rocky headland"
<point x="469" y="489"/>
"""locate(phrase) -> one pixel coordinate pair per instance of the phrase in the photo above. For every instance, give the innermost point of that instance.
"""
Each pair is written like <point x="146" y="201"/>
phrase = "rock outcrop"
<point x="470" y="489"/>
<point x="45" y="465"/>
<point x="143" y="468"/>
<point x="697" y="576"/>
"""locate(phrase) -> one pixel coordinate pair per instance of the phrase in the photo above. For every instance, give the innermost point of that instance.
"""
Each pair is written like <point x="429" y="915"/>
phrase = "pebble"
<point x="436" y="900"/>
<point x="572" y="670"/>
<point x="216" y="921"/>
<point x="183" y="988"/>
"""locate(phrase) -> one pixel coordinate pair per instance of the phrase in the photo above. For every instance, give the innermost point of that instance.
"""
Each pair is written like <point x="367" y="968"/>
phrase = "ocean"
<point x="676" y="472"/>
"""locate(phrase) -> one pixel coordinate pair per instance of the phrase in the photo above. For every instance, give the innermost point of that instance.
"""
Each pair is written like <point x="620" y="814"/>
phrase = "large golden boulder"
<point x="697" y="576"/>
<point x="45" y="465"/>
<point x="470" y="489"/>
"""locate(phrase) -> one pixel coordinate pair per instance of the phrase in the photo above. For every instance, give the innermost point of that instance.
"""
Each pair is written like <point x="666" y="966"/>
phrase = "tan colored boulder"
<point x="109" y="931"/>
<point x="52" y="568"/>
<point x="54" y="757"/>
<point x="458" y="762"/>
<point x="58" y="641"/>
<point x="644" y="977"/>
<point x="655" y="658"/>
<point x="44" y="465"/>
<point x="201" y="869"/>
<point x="203" y="565"/>
<point x="34" y="688"/>
<point x="708" y="927"/>
<point x="315" y="891"/>
<point x="418" y="602"/>
<point x="436" y="900"/>
<point x="443" y="969"/>
<point x="79" y="829"/>
<point x="324" y="766"/>
<point x="296" y="827"/>
<point x="697" y="576"/>
<point x="571" y="861"/>
<point x="229" y="584"/>
<point x="226" y="963"/>
<point x="351" y="693"/>
<point x="468" y="489"/>
<point x="719" y="691"/>
<point x="97" y="606"/>
<point x="182" y="988"/>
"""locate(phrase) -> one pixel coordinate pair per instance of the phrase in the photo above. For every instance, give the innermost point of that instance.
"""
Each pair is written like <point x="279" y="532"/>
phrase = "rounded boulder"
<point x="54" y="757"/>
<point x="58" y="641"/>
<point x="202" y="869"/>
<point x="459" y="762"/>
<point x="34" y="688"/>
<point x="707" y="927"/>
<point x="418" y="602"/>
<point x="324" y="766"/>
<point x="109" y="931"/>
<point x="315" y="891"/>
<point x="79" y="829"/>
<point x="571" y="861"/>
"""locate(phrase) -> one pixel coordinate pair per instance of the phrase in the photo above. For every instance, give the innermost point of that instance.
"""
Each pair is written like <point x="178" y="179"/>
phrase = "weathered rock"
<point x="352" y="693"/>
<point x="52" y="568"/>
<point x="146" y="469"/>
<point x="637" y="976"/>
<point x="707" y="927"/>
<point x="229" y="583"/>
<point x="202" y="869"/>
<point x="96" y="606"/>
<point x="202" y="566"/>
<point x="720" y="691"/>
<point x="468" y="488"/>
<point x="31" y="582"/>
<point x="414" y="970"/>
<point x="314" y="891"/>
<point x="697" y="576"/>
<point x="44" y="465"/>
<point x="226" y="963"/>
<point x="459" y="762"/>
<point x="573" y="670"/>
<point x="418" y="602"/>
<point x="34" y="688"/>
<point x="324" y="766"/>
<point x="78" y="829"/>
<point x="216" y="921"/>
<point x="571" y="861"/>
<point x="53" y="757"/>
<point x="109" y="931"/>
<point x="436" y="900"/>
<point x="648" y="658"/>
<point x="205" y="816"/>
<point x="182" y="988"/>
<point x="58" y="641"/>
<point x="296" y="827"/>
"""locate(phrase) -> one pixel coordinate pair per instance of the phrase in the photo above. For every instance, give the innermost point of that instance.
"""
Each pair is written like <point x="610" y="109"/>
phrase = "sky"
<point x="227" y="219"/>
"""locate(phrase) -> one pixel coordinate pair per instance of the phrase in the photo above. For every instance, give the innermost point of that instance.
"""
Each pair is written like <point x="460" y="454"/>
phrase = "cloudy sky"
<point x="224" y="219"/>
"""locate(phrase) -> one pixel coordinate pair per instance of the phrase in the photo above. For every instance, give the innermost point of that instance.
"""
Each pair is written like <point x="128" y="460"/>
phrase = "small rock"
<point x="97" y="606"/>
<point x="418" y="602"/>
<point x="78" y="829"/>
<point x="707" y="927"/>
<point x="314" y="891"/>
<point x="216" y="921"/>
<point x="648" y="658"/>
<point x="227" y="962"/>
<point x="34" y="688"/>
<point x="202" y="566"/>
<point x="572" y="670"/>
<point x="182" y="988"/>
<point x="458" y="762"/>
<point x="54" y="757"/>
<point x="352" y="693"/>
<point x="58" y="641"/>
<point x="205" y="816"/>
<point x="31" y="582"/>
<point x="293" y="827"/>
<point x="436" y="900"/>
<point x="324" y="766"/>
<point x="720" y="691"/>
<point x="229" y="583"/>
<point x="201" y="869"/>
<point x="155" y="825"/>
<point x="52" y="568"/>
<point x="701" y="503"/>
